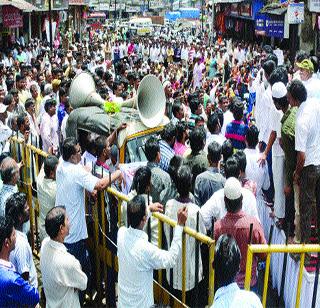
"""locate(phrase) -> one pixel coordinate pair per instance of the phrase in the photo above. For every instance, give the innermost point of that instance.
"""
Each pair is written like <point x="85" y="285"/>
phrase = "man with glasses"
<point x="72" y="181"/>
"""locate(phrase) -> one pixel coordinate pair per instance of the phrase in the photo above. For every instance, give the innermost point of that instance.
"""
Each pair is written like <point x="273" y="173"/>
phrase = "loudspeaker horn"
<point x="150" y="100"/>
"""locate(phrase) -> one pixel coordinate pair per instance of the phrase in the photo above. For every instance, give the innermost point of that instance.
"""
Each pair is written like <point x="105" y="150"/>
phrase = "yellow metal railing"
<point x="103" y="257"/>
<point x="270" y="249"/>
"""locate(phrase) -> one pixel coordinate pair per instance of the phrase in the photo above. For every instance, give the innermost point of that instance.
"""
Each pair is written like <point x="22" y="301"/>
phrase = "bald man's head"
<point x="9" y="171"/>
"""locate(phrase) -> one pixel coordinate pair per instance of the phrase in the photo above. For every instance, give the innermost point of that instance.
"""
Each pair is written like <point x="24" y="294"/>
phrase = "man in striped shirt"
<point x="166" y="146"/>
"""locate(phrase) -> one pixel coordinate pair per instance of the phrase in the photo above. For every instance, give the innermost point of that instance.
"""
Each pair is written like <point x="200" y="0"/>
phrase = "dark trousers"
<point x="80" y="252"/>
<point x="309" y="199"/>
<point x="290" y="214"/>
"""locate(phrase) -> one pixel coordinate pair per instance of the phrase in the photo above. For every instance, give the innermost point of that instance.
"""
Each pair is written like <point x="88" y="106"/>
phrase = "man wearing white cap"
<point x="237" y="223"/>
<point x="5" y="131"/>
<point x="278" y="91"/>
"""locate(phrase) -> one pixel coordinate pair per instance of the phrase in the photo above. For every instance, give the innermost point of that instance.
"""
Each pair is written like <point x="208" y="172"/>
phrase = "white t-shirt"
<point x="72" y="181"/>
<point x="275" y="122"/>
<point x="307" y="138"/>
<point x="313" y="87"/>
<point x="216" y="208"/>
<point x="21" y="258"/>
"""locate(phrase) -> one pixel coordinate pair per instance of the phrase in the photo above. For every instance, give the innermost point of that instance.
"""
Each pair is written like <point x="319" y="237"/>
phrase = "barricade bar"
<point x="292" y="248"/>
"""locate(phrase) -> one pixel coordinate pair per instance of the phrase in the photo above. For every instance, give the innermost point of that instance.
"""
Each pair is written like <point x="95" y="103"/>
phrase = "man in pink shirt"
<point x="237" y="223"/>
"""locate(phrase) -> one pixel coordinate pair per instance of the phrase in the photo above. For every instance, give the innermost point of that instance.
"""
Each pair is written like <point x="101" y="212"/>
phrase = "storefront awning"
<point x="20" y="4"/>
<point x="274" y="10"/>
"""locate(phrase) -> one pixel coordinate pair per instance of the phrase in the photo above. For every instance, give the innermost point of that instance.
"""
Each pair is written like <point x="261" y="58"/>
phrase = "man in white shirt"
<point x="72" y="181"/>
<point x="226" y="265"/>
<point x="21" y="257"/>
<point x="255" y="171"/>
<point x="5" y="131"/>
<point x="215" y="206"/>
<point x="46" y="190"/>
<point x="307" y="145"/>
<point x="62" y="275"/>
<point x="138" y="258"/>
<point x="49" y="127"/>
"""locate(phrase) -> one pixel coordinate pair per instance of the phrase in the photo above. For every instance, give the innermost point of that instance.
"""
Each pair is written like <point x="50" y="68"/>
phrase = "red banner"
<point x="11" y="17"/>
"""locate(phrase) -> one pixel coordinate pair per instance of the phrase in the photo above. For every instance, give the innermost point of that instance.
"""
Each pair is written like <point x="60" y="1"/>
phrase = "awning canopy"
<point x="274" y="9"/>
<point x="20" y="4"/>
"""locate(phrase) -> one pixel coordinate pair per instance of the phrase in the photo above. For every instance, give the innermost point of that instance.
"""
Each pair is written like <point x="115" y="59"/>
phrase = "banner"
<point x="296" y="13"/>
<point x="314" y="6"/>
<point x="11" y="17"/>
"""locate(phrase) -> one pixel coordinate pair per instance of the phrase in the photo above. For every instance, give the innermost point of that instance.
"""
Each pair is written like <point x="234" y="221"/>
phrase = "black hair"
<point x="273" y="58"/>
<point x="55" y="218"/>
<point x="214" y="152"/>
<point x="175" y="162"/>
<point x="301" y="55"/>
<point x="213" y="121"/>
<point x="220" y="116"/>
<point x="19" y="78"/>
<point x="28" y="103"/>
<point x="6" y="229"/>
<point x="136" y="210"/>
<point x="49" y="164"/>
<point x="181" y="127"/>
<point x="176" y="107"/>
<point x="233" y="206"/>
<point x="315" y="63"/>
<point x="252" y="136"/>
<point x="8" y="99"/>
<point x="232" y="168"/>
<point x="297" y="90"/>
<point x="100" y="144"/>
<point x="227" y="149"/>
<point x="21" y="119"/>
<point x="99" y="71"/>
<point x="184" y="181"/>
<point x="15" y="207"/>
<point x="49" y="103"/>
<point x="280" y="74"/>
<point x="152" y="149"/>
<point x="237" y="110"/>
<point x="141" y="180"/>
<point x="268" y="67"/>
<point x="282" y="102"/>
<point x="115" y="85"/>
<point x="194" y="105"/>
<point x="267" y="49"/>
<point x="226" y="260"/>
<point x="69" y="148"/>
<point x="169" y="132"/>
<point x="197" y="139"/>
<point x="242" y="160"/>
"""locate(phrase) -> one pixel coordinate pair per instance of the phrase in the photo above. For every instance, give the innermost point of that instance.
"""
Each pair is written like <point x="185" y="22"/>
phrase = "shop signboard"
<point x="275" y="26"/>
<point x="314" y="6"/>
<point x="296" y="13"/>
<point x="11" y="17"/>
<point x="269" y="25"/>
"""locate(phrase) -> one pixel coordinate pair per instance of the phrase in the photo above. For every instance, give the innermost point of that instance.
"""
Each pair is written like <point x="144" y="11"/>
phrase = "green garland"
<point x="111" y="107"/>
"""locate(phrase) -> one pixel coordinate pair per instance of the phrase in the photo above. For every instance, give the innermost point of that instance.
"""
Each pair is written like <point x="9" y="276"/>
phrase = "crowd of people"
<point x="243" y="135"/>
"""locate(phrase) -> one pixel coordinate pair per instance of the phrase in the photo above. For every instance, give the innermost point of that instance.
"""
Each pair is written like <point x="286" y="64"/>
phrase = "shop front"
<point x="237" y="19"/>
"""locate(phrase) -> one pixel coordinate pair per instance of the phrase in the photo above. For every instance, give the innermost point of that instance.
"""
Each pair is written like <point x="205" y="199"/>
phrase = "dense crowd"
<point x="243" y="134"/>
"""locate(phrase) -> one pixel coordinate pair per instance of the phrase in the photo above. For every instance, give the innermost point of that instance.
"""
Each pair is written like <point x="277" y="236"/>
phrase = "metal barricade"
<point x="271" y="249"/>
<point x="101" y="246"/>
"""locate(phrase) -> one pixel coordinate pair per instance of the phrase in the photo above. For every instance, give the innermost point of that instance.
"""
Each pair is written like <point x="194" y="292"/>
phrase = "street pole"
<point x="115" y="13"/>
<point x="50" y="25"/>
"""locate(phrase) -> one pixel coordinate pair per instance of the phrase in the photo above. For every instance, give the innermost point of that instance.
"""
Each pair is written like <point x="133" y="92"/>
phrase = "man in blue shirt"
<point x="14" y="290"/>
<point x="166" y="143"/>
